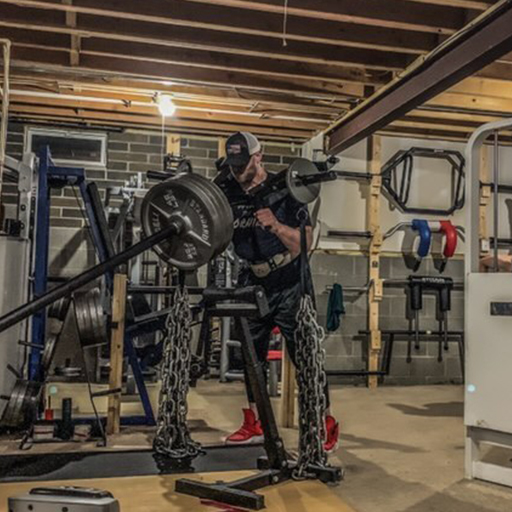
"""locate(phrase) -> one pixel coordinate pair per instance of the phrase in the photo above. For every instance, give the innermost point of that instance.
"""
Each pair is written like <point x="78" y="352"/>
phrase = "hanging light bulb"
<point x="165" y="105"/>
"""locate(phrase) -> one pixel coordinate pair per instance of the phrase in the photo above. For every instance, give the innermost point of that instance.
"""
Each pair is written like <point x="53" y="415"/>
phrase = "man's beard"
<point x="246" y="177"/>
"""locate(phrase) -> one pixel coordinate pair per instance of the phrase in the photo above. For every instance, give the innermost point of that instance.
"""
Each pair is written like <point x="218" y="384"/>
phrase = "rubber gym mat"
<point x="108" y="464"/>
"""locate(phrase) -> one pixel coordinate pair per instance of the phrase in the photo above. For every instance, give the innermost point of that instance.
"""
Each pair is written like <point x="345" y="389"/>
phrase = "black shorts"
<point x="284" y="306"/>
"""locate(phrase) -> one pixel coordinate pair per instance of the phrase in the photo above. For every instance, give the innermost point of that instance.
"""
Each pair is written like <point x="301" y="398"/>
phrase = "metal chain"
<point x="172" y="436"/>
<point x="311" y="379"/>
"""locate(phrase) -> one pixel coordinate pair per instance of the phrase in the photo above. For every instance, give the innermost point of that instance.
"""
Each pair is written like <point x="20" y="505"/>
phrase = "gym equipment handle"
<point x="423" y="229"/>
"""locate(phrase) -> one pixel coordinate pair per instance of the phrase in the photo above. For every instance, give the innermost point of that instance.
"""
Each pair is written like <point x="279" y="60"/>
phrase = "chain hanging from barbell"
<point x="311" y="379"/>
<point x="173" y="437"/>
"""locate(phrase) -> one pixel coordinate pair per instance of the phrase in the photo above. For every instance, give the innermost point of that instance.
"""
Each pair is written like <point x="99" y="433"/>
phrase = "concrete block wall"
<point x="345" y="350"/>
<point x="132" y="152"/>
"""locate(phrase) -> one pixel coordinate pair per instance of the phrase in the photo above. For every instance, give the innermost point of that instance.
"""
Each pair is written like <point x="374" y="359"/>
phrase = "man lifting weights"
<point x="268" y="239"/>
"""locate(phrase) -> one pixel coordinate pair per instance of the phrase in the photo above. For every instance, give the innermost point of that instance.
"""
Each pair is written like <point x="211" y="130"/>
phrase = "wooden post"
<point x="373" y="225"/>
<point x="287" y="391"/>
<point x="222" y="147"/>
<point x="173" y="146"/>
<point x="485" y="199"/>
<point x="116" y="353"/>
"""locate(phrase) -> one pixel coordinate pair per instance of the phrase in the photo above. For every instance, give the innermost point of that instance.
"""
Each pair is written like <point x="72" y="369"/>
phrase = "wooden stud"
<point x="116" y="353"/>
<point x="373" y="225"/>
<point x="287" y="391"/>
<point x="221" y="151"/>
<point x="173" y="144"/>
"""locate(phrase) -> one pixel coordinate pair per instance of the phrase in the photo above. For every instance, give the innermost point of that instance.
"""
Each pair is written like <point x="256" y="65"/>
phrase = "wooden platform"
<point x="156" y="494"/>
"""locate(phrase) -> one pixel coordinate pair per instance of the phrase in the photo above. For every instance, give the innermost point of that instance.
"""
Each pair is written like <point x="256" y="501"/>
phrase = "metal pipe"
<point x="390" y="283"/>
<point x="349" y="234"/>
<point x="407" y="332"/>
<point x="157" y="290"/>
<point x="355" y="373"/>
<point x="352" y="175"/>
<point x="4" y="90"/>
<point x="496" y="179"/>
<point x="66" y="289"/>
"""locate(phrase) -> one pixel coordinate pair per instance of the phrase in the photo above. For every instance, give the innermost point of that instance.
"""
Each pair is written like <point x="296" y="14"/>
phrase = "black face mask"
<point x="237" y="169"/>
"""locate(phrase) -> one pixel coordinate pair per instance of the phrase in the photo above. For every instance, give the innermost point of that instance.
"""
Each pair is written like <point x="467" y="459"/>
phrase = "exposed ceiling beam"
<point x="193" y="26"/>
<point x="497" y="71"/>
<point x="351" y="73"/>
<point x="106" y="118"/>
<point x="116" y="126"/>
<point x="474" y="47"/>
<point x="127" y="100"/>
<point x="468" y="102"/>
<point x="66" y="79"/>
<point x="45" y="60"/>
<point x="349" y="59"/>
<point x="397" y="14"/>
<point x="182" y="112"/>
<point x="479" y="5"/>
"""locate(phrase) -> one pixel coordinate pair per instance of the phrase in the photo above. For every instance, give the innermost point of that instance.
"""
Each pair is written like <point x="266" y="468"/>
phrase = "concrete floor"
<point x="402" y="447"/>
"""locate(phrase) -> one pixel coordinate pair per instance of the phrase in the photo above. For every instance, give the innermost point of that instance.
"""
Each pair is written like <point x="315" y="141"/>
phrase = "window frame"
<point x="73" y="134"/>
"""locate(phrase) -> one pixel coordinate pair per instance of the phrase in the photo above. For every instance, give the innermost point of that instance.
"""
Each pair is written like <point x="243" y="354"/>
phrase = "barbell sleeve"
<point x="67" y="288"/>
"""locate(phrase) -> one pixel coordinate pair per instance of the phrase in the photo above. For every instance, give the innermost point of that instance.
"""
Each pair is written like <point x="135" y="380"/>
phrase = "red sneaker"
<point x="332" y="429"/>
<point x="249" y="433"/>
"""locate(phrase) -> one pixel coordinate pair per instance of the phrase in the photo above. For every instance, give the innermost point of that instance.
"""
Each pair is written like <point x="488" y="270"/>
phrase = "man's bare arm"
<point x="288" y="235"/>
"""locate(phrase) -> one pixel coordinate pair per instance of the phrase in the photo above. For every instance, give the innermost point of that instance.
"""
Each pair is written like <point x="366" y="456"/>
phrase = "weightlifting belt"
<point x="264" y="269"/>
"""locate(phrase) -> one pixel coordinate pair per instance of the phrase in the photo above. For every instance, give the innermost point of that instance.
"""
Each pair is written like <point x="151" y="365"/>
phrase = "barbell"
<point x="186" y="218"/>
<point x="302" y="181"/>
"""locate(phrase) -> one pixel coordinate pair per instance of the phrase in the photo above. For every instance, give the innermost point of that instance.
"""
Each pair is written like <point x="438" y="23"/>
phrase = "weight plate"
<point x="80" y="318"/>
<point x="50" y="346"/>
<point x="220" y="204"/>
<point x="303" y="193"/>
<point x="22" y="406"/>
<point x="59" y="308"/>
<point x="98" y="318"/>
<point x="219" y="209"/>
<point x="69" y="372"/>
<point x="223" y="209"/>
<point x="90" y="318"/>
<point x="205" y="212"/>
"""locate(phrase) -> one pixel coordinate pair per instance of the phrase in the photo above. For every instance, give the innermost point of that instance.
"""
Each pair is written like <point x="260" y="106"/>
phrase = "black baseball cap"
<point x="240" y="147"/>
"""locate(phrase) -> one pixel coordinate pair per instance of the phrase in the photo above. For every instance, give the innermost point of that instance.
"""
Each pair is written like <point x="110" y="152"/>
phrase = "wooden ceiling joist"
<point x="154" y="121"/>
<point x="181" y="113"/>
<point x="198" y="28"/>
<point x="228" y="65"/>
<point x="398" y="14"/>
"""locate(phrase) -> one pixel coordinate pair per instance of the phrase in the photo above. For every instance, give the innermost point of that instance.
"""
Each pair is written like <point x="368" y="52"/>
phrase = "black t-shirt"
<point x="253" y="243"/>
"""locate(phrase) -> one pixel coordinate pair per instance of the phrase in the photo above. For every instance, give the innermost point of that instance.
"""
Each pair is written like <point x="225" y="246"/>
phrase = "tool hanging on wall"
<point x="397" y="176"/>
<point x="426" y="234"/>
<point x="442" y="286"/>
